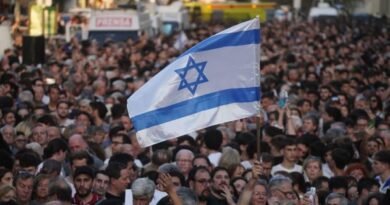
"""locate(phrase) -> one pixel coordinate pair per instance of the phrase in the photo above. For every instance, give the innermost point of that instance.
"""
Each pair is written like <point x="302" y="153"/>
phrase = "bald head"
<point x="77" y="143"/>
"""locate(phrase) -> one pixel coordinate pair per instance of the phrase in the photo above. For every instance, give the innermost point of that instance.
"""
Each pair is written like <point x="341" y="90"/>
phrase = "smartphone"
<point x="283" y="99"/>
<point x="311" y="193"/>
<point x="282" y="102"/>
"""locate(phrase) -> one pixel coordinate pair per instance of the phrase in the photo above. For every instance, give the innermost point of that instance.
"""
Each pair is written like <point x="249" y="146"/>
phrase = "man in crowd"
<point x="336" y="199"/>
<point x="142" y="191"/>
<point x="62" y="115"/>
<point x="219" y="189"/>
<point x="101" y="182"/>
<point x="289" y="163"/>
<point x="281" y="189"/>
<point x="365" y="187"/>
<point x="119" y="181"/>
<point x="78" y="143"/>
<point x="60" y="191"/>
<point x="83" y="182"/>
<point x="199" y="180"/>
<point x="39" y="135"/>
<point x="381" y="167"/>
<point x="24" y="186"/>
<point x="184" y="159"/>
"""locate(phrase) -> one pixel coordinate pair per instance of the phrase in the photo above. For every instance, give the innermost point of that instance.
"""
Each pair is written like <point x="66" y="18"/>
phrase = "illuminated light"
<point x="45" y="2"/>
<point x="36" y="19"/>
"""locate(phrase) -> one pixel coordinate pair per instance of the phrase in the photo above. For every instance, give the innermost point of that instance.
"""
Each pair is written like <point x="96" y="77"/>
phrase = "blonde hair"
<point x="311" y="159"/>
<point x="5" y="188"/>
<point x="308" y="160"/>
<point x="229" y="157"/>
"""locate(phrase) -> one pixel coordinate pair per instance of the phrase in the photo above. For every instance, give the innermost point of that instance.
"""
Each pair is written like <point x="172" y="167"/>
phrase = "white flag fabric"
<point x="180" y="41"/>
<point x="216" y="81"/>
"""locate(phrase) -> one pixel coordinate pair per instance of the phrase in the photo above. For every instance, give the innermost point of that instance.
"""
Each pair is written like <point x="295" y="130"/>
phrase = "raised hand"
<point x="165" y="183"/>
<point x="227" y="194"/>
<point x="257" y="170"/>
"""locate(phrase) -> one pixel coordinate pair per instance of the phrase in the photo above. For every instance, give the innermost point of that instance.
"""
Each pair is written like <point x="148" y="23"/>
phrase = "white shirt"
<point x="279" y="167"/>
<point x="246" y="164"/>
<point x="384" y="185"/>
<point x="68" y="180"/>
<point x="214" y="158"/>
<point x="326" y="171"/>
<point x="45" y="99"/>
<point x="157" y="196"/>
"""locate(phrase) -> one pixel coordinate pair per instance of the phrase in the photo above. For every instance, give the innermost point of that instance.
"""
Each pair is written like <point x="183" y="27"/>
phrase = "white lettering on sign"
<point x="113" y="22"/>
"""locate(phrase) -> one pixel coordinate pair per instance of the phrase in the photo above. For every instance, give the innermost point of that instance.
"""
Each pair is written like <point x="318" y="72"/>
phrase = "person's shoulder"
<point x="211" y="200"/>
<point x="297" y="166"/>
<point x="215" y="154"/>
<point x="111" y="201"/>
<point x="163" y="201"/>
<point x="277" y="167"/>
<point x="33" y="203"/>
<point x="387" y="183"/>
<point x="96" y="198"/>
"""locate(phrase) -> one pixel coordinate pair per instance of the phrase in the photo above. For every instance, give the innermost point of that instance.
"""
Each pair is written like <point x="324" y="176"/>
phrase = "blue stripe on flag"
<point x="227" y="39"/>
<point x="192" y="106"/>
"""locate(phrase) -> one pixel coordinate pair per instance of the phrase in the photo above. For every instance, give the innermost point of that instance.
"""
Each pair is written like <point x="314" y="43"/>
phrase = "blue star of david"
<point x="182" y="72"/>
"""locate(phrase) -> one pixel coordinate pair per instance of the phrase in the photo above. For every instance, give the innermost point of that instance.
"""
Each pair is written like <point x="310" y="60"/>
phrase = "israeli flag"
<point x="216" y="81"/>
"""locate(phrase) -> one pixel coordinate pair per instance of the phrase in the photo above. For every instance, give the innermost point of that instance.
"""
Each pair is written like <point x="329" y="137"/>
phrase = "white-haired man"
<point x="184" y="159"/>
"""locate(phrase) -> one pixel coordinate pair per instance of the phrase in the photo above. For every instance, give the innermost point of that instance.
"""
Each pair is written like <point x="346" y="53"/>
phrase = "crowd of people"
<point x="66" y="137"/>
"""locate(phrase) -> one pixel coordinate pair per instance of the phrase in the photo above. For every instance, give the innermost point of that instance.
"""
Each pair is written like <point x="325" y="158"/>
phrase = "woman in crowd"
<point x="7" y="194"/>
<point x="41" y="188"/>
<point x="6" y="177"/>
<point x="238" y="184"/>
<point x="260" y="193"/>
<point x="312" y="169"/>
<point x="356" y="170"/>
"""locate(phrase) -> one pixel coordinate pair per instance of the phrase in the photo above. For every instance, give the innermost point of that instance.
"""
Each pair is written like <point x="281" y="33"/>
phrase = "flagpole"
<point x="258" y="137"/>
